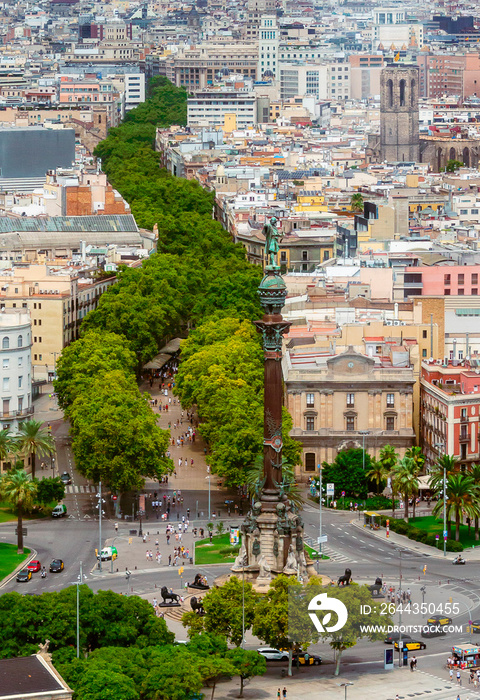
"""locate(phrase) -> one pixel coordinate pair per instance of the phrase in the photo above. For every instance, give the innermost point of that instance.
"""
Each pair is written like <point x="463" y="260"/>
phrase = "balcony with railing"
<point x="10" y="415"/>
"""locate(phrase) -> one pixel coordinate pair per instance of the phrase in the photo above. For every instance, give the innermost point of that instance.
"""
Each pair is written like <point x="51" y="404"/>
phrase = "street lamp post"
<point x="400" y="610"/>
<point x="319" y="516"/>
<point x="100" y="512"/>
<point x="363" y="433"/>
<point x="78" y="583"/>
<point x="209" y="478"/>
<point x="440" y="446"/>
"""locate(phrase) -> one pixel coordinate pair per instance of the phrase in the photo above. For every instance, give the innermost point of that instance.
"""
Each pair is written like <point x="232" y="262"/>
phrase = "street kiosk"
<point x="466" y="656"/>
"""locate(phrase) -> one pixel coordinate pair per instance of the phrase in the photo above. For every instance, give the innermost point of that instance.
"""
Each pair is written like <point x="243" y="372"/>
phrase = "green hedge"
<point x="414" y="533"/>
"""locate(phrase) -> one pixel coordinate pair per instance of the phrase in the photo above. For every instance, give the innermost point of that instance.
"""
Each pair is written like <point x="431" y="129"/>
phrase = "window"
<point x="283" y="256"/>
<point x="461" y="278"/>
<point x="424" y="334"/>
<point x="474" y="291"/>
<point x="424" y="353"/>
<point x="310" y="462"/>
<point x="446" y="292"/>
<point x="464" y="414"/>
<point x="350" y="400"/>
<point x="310" y="400"/>
<point x="6" y="408"/>
<point x="6" y="363"/>
<point x="6" y="384"/>
<point x="390" y="400"/>
<point x="390" y="423"/>
<point x="446" y="279"/>
<point x="20" y="341"/>
<point x="20" y="361"/>
<point x="461" y="292"/>
<point x="20" y="381"/>
<point x="350" y="423"/>
<point x="474" y="277"/>
<point x="310" y="423"/>
<point x="5" y="343"/>
<point x="304" y="254"/>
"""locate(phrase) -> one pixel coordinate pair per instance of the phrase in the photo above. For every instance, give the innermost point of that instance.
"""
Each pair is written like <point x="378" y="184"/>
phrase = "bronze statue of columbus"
<point x="272" y="236"/>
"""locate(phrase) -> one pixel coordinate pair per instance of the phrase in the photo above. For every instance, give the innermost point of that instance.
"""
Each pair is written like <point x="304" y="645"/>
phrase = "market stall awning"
<point x="158" y="361"/>
<point x="172" y="347"/>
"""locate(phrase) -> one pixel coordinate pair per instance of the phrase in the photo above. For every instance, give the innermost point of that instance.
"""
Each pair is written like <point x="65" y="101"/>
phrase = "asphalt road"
<point x="74" y="540"/>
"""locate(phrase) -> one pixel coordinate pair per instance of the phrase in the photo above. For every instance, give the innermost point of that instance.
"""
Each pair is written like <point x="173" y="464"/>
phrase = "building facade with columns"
<point x="348" y="400"/>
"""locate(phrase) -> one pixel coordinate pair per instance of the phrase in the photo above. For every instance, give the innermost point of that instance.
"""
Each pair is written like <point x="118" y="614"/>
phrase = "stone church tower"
<point x="399" y="135"/>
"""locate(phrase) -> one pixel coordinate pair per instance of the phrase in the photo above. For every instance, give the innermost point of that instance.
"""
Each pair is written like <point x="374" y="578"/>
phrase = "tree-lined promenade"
<point x="198" y="279"/>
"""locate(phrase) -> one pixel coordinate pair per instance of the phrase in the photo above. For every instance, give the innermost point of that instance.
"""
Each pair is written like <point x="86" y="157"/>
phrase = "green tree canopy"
<point x="346" y="472"/>
<point x="116" y="438"/>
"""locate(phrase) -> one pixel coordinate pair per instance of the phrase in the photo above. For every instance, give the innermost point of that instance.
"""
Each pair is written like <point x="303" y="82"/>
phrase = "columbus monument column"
<point x="273" y="530"/>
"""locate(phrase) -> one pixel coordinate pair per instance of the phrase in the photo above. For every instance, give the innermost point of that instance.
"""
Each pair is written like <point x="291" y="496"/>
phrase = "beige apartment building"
<point x="196" y="68"/>
<point x="348" y="400"/>
<point x="58" y="298"/>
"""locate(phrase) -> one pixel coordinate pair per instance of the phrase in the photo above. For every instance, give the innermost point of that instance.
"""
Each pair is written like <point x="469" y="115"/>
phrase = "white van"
<point x="59" y="511"/>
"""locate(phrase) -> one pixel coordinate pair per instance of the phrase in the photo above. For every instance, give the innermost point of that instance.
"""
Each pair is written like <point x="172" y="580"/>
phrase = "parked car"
<point x="34" y="566"/>
<point x="305" y="659"/>
<point x="395" y="636"/>
<point x="273" y="654"/>
<point x="433" y="631"/>
<point x="411" y="645"/>
<point x="475" y="626"/>
<point x="66" y="478"/>
<point x="56" y="566"/>
<point x="24" y="575"/>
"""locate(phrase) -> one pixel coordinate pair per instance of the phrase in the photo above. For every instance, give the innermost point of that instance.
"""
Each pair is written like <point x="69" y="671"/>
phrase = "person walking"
<point x="411" y="665"/>
<point x="459" y="677"/>
<point x="279" y="693"/>
<point x="414" y="659"/>
<point x="284" y="693"/>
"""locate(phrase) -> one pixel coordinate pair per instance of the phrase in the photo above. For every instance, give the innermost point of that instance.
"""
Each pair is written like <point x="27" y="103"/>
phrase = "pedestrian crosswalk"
<point x="86" y="488"/>
<point x="328" y="551"/>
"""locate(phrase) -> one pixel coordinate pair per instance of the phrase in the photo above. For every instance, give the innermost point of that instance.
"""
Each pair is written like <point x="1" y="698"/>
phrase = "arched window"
<point x="402" y="93"/>
<point x="20" y="341"/>
<point x="412" y="93"/>
<point x="453" y="155"/>
<point x="390" y="92"/>
<point x="6" y="343"/>
<point x="466" y="157"/>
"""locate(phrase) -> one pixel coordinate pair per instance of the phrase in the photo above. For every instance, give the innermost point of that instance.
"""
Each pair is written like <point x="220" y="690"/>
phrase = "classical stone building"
<point x="348" y="400"/>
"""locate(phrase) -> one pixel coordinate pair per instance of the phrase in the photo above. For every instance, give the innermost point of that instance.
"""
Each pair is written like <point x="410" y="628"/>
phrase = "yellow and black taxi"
<point x="411" y="645"/>
<point x="439" y="620"/>
<point x="56" y="566"/>
<point x="304" y="659"/>
<point x="24" y="575"/>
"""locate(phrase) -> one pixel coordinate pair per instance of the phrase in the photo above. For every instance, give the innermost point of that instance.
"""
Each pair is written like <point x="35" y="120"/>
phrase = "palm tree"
<point x="378" y="473"/>
<point x="406" y="481"/>
<point x="6" y="444"/>
<point x="417" y="455"/>
<point x="451" y="466"/>
<point x="19" y="490"/>
<point x="388" y="457"/>
<point x="356" y="202"/>
<point x="474" y="472"/>
<point x="33" y="439"/>
<point x="462" y="497"/>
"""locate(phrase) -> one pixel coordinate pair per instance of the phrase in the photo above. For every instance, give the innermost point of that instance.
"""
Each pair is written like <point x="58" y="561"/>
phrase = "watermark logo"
<point x="323" y="602"/>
